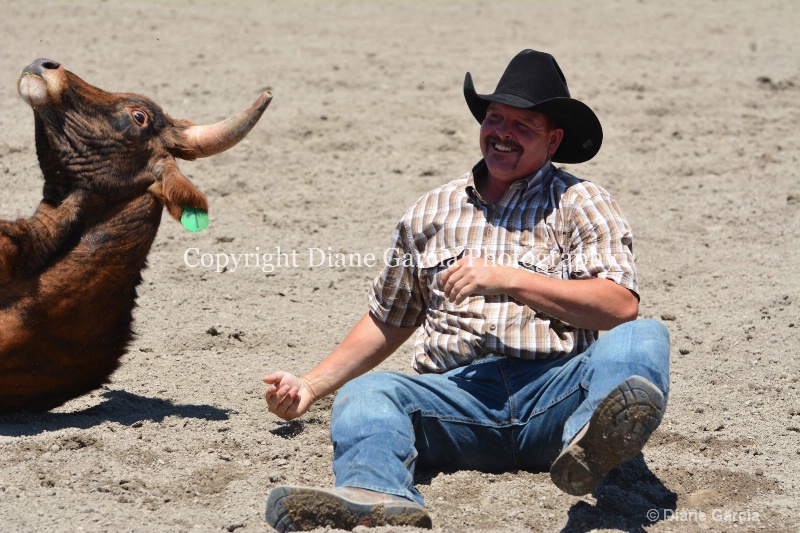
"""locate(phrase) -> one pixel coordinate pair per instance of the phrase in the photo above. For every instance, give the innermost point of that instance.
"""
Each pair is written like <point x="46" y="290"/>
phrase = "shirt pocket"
<point x="432" y="263"/>
<point x="542" y="260"/>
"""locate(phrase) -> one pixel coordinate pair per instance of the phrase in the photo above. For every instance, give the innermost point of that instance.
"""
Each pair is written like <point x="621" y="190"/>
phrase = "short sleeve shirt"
<point x="550" y="223"/>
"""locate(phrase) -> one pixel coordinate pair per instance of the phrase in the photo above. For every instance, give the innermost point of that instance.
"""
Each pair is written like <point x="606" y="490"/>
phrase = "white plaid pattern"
<point x="551" y="223"/>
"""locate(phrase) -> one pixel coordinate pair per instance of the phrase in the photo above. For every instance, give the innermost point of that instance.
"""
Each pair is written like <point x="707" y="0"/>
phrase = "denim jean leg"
<point x="372" y="436"/>
<point x="546" y="393"/>
<point x="385" y="423"/>
<point x="640" y="347"/>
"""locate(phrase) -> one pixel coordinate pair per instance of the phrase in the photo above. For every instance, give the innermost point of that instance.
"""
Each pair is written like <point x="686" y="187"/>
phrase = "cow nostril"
<point x="50" y="64"/>
<point x="41" y="65"/>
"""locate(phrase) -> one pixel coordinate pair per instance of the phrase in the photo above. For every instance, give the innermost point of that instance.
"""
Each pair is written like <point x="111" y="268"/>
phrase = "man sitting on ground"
<point x="507" y="274"/>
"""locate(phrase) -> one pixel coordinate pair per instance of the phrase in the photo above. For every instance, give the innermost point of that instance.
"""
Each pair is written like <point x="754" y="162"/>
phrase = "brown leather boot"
<point x="616" y="432"/>
<point x="292" y="508"/>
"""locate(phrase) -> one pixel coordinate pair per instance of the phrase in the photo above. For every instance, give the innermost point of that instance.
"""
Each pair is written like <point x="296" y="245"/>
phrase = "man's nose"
<point x="503" y="129"/>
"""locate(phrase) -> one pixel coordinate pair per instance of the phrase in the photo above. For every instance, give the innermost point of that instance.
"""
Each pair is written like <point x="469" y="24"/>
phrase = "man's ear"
<point x="555" y="137"/>
<point x="177" y="191"/>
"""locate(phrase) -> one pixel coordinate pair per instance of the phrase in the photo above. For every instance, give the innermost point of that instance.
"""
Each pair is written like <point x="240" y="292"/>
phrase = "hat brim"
<point x="583" y="134"/>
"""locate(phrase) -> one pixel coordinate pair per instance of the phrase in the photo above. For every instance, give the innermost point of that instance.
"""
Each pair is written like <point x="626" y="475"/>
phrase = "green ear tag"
<point x="194" y="219"/>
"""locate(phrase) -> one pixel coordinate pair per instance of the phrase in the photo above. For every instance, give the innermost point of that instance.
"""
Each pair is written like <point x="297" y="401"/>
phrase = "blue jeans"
<point x="497" y="414"/>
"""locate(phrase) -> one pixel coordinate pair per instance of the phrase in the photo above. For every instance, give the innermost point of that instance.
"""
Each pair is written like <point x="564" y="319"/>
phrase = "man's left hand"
<point x="474" y="275"/>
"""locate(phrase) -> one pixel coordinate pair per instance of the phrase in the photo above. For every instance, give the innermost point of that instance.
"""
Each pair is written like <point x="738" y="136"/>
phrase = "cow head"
<point x="117" y="145"/>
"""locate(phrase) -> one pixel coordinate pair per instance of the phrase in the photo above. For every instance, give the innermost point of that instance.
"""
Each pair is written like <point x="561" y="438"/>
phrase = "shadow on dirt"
<point x="630" y="498"/>
<point x="294" y="428"/>
<point x="118" y="406"/>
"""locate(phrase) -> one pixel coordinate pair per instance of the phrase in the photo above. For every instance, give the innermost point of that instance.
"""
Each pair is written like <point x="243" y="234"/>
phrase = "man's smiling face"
<point x="516" y="142"/>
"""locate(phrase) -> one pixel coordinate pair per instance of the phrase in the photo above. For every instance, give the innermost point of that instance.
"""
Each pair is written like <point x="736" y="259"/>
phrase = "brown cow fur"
<point x="68" y="274"/>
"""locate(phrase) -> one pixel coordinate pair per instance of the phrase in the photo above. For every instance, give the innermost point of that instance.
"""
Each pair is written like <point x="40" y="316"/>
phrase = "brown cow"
<point x="68" y="274"/>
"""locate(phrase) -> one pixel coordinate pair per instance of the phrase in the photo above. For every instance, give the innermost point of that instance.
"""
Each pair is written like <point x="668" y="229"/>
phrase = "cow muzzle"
<point x="41" y="82"/>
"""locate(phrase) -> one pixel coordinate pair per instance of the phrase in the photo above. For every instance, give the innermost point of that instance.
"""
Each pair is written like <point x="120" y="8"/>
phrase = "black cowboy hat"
<point x="534" y="81"/>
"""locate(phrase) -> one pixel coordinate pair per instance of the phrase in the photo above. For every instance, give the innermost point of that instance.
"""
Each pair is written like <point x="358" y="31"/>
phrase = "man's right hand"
<point x="287" y="395"/>
<point x="365" y="347"/>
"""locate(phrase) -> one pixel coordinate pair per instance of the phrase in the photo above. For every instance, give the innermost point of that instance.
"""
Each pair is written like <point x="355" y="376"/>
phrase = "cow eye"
<point x="139" y="116"/>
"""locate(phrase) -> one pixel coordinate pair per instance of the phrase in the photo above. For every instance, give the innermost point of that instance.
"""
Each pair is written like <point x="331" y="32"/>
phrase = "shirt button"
<point x="492" y="327"/>
<point x="490" y="257"/>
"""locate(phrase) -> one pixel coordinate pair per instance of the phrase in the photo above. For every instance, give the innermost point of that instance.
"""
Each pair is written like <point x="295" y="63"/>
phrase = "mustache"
<point x="492" y="139"/>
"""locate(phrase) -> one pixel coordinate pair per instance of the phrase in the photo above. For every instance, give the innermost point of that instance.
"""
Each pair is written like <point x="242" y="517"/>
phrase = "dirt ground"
<point x="700" y="103"/>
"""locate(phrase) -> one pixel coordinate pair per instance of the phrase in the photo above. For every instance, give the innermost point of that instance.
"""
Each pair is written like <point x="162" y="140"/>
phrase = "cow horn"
<point x="207" y="140"/>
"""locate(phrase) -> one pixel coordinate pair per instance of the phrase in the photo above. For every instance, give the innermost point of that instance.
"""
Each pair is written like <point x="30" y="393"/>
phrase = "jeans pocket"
<point x="560" y="384"/>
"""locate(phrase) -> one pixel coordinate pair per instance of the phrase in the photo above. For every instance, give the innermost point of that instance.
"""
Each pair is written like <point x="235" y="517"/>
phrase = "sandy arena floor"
<point x="700" y="103"/>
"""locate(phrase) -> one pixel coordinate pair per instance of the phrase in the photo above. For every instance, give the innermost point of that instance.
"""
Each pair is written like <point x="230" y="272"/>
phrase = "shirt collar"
<point x="527" y="184"/>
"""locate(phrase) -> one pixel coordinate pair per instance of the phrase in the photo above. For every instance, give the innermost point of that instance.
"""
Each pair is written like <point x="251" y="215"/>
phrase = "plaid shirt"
<point x="551" y="223"/>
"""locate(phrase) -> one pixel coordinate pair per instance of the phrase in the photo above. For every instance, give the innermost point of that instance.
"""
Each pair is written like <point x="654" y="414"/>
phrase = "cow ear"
<point x="177" y="192"/>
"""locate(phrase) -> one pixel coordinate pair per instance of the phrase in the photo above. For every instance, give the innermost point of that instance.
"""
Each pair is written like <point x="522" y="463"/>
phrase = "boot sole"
<point x="306" y="508"/>
<point x="615" y="434"/>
